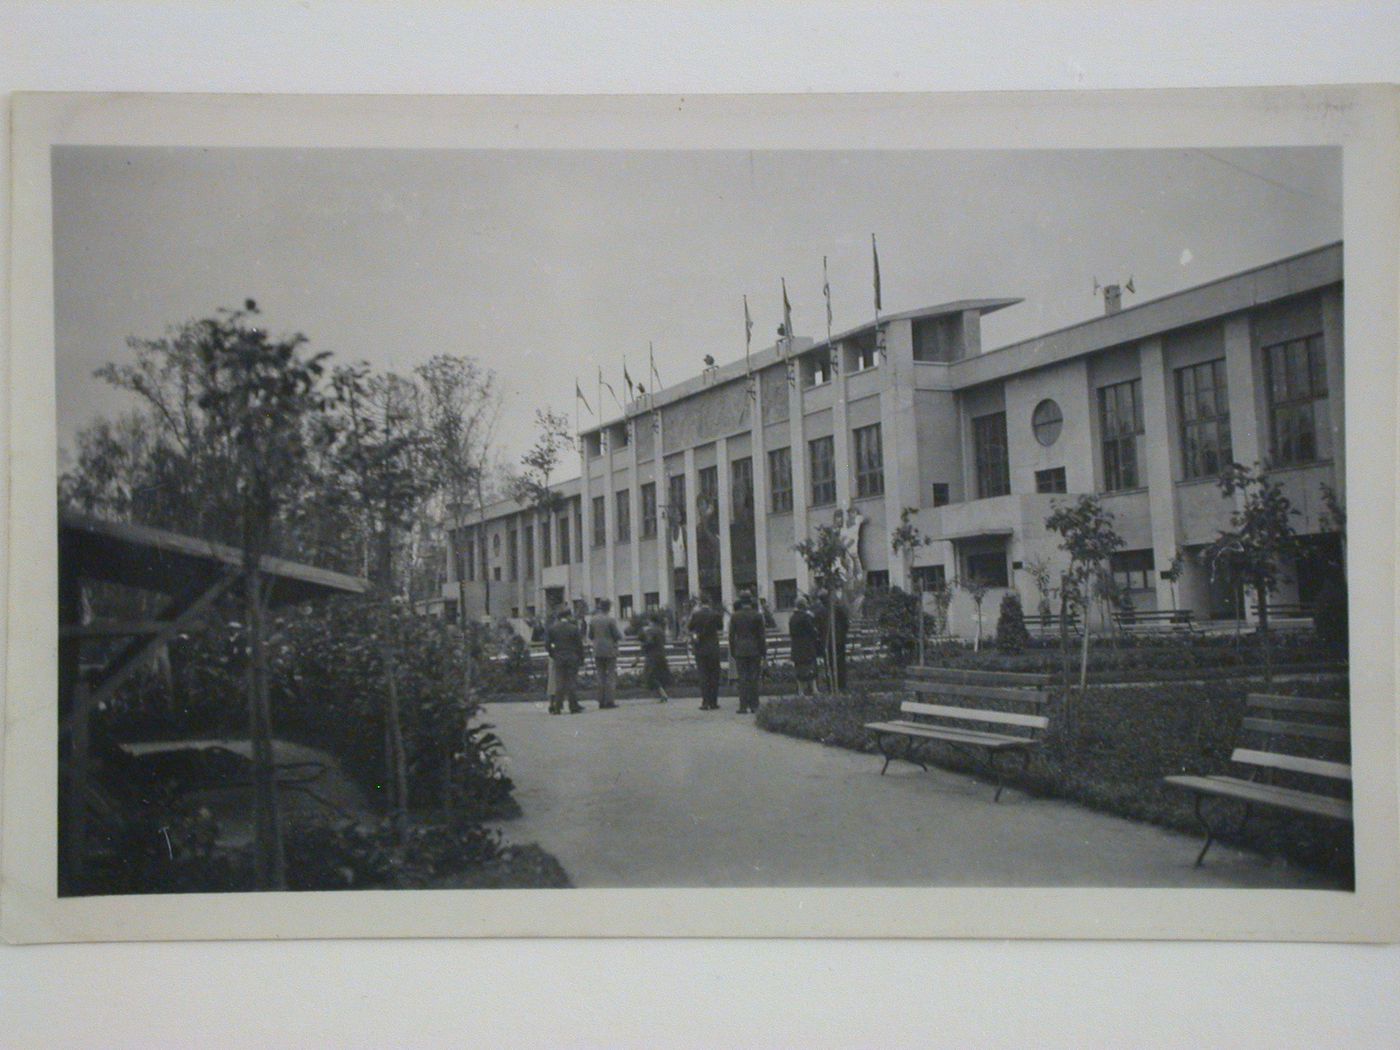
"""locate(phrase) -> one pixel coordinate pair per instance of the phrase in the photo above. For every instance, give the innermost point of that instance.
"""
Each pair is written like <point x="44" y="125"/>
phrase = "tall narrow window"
<point x="870" y="462"/>
<point x="780" y="480"/>
<point x="1297" y="388"/>
<point x="527" y="546"/>
<point x="1120" y="418"/>
<point x="816" y="367"/>
<point x="564" y="558"/>
<point x="989" y="453"/>
<point x="675" y="502"/>
<point x="600" y="521"/>
<point x="1203" y="402"/>
<point x="513" y="554"/>
<point x="707" y="499"/>
<point x="864" y="352"/>
<point x="649" y="510"/>
<point x="822" y="460"/>
<point x="784" y="594"/>
<point x="623" y="515"/>
<point x="546" y="550"/>
<point x="469" y="554"/>
<point x="741" y="490"/>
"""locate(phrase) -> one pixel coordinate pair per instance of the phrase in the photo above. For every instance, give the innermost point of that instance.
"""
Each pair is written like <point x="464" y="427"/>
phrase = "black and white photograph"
<point x="730" y="517"/>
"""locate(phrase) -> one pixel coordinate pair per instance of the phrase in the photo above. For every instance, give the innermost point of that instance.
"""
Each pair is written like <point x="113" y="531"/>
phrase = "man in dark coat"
<point x="843" y="626"/>
<point x="806" y="645"/>
<point x="565" y="646"/>
<point x="704" y="627"/>
<point x="605" y="634"/>
<point x="747" y="647"/>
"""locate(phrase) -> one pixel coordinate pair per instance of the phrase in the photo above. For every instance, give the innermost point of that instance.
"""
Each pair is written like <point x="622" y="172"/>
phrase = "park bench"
<point x="961" y="718"/>
<point x="1285" y="611"/>
<point x="1275" y="774"/>
<point x="1049" y="625"/>
<point x="1135" y="621"/>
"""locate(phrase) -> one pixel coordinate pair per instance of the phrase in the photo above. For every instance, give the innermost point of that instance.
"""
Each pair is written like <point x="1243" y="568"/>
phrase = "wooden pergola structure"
<point x="193" y="574"/>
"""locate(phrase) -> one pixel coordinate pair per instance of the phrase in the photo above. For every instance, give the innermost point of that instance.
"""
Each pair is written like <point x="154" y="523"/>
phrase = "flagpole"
<point x="875" y="256"/>
<point x="787" y="335"/>
<point x="826" y="292"/>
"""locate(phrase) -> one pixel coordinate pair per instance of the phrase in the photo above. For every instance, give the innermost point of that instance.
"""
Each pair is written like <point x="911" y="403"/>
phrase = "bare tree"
<point x="461" y="405"/>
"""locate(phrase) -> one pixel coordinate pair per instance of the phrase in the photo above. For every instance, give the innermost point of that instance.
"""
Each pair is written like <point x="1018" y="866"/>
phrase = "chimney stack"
<point x="1112" y="299"/>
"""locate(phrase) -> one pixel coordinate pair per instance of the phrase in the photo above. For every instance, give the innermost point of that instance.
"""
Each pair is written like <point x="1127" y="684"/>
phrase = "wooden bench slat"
<point x="967" y="676"/>
<point x="1292" y="763"/>
<point x="1313" y="705"/>
<point x="977" y="692"/>
<point x="968" y="714"/>
<point x="1270" y="727"/>
<point x="954" y="734"/>
<point x="1267" y="795"/>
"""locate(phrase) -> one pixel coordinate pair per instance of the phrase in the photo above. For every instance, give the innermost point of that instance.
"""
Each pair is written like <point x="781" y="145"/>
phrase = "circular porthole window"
<point x="1046" y="421"/>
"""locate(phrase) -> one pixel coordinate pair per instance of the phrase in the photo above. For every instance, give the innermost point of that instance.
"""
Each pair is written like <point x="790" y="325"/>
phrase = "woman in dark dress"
<point x="656" y="674"/>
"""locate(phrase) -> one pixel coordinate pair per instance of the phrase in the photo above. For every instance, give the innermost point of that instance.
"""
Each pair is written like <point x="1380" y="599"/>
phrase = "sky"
<point x="547" y="265"/>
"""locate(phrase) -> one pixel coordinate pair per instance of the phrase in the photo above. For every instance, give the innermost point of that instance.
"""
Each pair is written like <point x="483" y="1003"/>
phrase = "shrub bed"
<point x="1128" y="739"/>
<point x="158" y="853"/>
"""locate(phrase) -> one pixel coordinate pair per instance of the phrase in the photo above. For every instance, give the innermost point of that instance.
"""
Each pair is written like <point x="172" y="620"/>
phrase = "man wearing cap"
<point x="748" y="645"/>
<point x="565" y="645"/>
<point x="704" y="627"/>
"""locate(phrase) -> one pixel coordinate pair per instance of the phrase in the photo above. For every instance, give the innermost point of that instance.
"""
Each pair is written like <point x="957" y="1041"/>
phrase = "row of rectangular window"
<point x="1296" y="381"/>
<point x="1296" y="385"/>
<point x="472" y="560"/>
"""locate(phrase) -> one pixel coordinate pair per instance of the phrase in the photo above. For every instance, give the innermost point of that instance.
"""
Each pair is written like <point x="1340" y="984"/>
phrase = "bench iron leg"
<point x="1205" y="825"/>
<point x="909" y="755"/>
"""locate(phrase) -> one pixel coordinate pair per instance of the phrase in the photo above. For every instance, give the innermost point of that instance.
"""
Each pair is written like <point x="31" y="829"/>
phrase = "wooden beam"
<point x="184" y="613"/>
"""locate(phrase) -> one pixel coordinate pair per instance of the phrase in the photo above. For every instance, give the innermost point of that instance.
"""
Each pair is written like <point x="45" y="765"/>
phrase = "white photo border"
<point x="1361" y="120"/>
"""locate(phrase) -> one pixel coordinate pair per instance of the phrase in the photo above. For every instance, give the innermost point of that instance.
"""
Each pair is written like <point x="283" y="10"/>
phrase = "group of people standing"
<point x="812" y="633"/>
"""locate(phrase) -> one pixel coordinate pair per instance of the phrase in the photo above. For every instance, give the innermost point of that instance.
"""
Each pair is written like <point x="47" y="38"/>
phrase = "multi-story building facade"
<point x="708" y="485"/>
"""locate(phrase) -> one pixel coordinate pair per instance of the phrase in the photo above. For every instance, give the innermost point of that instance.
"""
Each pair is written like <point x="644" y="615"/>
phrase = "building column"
<point x="521" y="520"/>
<point x="898" y="441"/>
<point x="841" y="431"/>
<point x="609" y="588"/>
<point x="692" y="555"/>
<point x="726" y="550"/>
<point x="634" y="502"/>
<point x="797" y="430"/>
<point x="665" y="578"/>
<point x="1333" y="344"/>
<point x="760" y="494"/>
<point x="1249" y="419"/>
<point x="580" y="542"/>
<point x="1248" y="427"/>
<point x="1160" y="435"/>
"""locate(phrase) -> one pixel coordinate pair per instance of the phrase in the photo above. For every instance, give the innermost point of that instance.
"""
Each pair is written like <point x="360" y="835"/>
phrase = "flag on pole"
<point x="578" y="393"/>
<point x="604" y="383"/>
<point x="752" y="390"/>
<point x="787" y="313"/>
<point x="875" y="255"/>
<point x="826" y="292"/>
<point x="631" y="386"/>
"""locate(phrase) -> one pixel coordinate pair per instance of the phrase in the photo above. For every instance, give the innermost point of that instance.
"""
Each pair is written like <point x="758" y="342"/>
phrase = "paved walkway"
<point x="653" y="795"/>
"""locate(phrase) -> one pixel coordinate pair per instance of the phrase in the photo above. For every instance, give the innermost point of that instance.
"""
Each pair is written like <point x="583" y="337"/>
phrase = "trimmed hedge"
<point x="1129" y="738"/>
